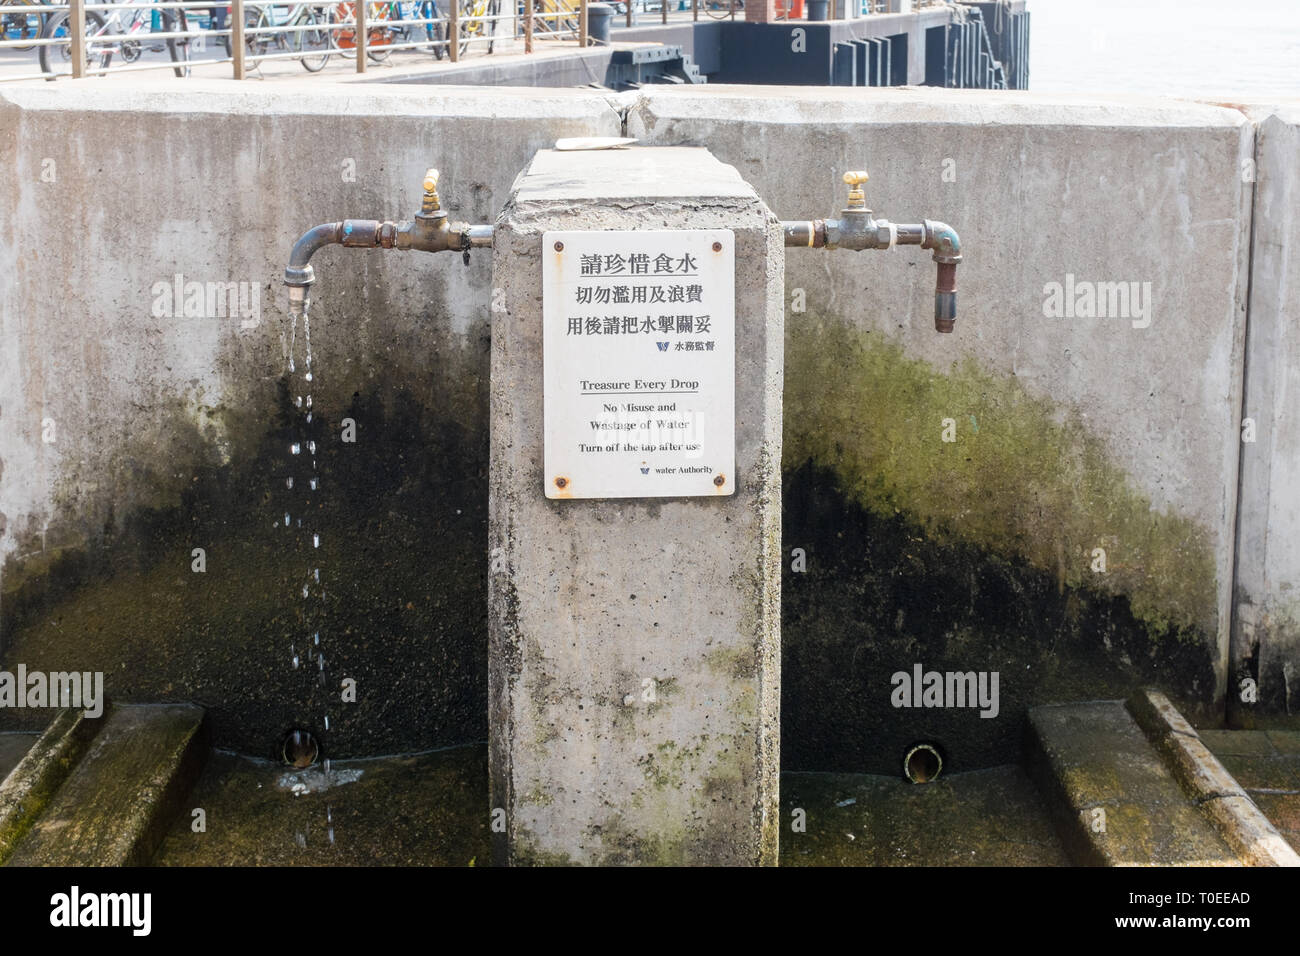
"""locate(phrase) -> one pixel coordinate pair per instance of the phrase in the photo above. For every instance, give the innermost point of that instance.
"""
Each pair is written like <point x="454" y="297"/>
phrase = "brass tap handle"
<point x="854" y="180"/>
<point x="430" y="204"/>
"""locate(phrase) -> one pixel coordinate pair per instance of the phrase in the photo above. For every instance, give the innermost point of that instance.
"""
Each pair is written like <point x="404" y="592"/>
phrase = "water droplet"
<point x="288" y="482"/>
<point x="321" y="660"/>
<point x="286" y="519"/>
<point x="304" y="590"/>
<point x="315" y="543"/>
<point x="295" y="448"/>
<point x="318" y="638"/>
<point x="313" y="484"/>
<point x="311" y="447"/>
<point x="299" y="402"/>
<point x="309" y="376"/>
<point x="291" y="365"/>
<point x="309" y="418"/>
<point x="316" y="574"/>
<point x="327" y="722"/>
<point x="331" y="834"/>
<point x="309" y="401"/>
<point x="295" y="662"/>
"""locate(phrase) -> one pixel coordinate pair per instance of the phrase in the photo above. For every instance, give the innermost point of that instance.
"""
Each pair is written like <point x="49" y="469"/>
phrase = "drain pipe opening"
<point x="299" y="749"/>
<point x="922" y="763"/>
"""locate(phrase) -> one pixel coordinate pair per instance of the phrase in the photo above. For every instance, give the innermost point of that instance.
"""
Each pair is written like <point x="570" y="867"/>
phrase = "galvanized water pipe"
<point x="429" y="231"/>
<point x="856" y="229"/>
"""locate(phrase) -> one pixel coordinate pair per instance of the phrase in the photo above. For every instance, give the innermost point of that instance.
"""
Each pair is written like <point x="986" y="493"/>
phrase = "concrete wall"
<point x="1266" y="636"/>
<point x="1071" y="433"/>
<point x="172" y="432"/>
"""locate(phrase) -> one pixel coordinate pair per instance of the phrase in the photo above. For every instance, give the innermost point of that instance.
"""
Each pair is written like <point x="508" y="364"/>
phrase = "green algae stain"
<point x="1030" y="482"/>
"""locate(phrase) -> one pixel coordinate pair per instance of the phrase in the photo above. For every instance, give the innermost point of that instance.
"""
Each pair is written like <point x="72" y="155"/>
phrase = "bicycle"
<point x="435" y="33"/>
<point x="379" y="37"/>
<point x="473" y="26"/>
<point x="107" y="36"/>
<point x="22" y="26"/>
<point x="297" y="40"/>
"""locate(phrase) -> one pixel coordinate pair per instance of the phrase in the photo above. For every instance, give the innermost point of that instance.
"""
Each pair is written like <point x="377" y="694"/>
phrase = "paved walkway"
<point x="1267" y="765"/>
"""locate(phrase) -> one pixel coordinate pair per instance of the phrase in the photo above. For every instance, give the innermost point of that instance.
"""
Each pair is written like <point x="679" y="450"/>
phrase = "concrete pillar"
<point x="635" y="641"/>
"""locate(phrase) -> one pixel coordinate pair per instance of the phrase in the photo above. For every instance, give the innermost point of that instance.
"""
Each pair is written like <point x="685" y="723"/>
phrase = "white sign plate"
<point x="639" y="352"/>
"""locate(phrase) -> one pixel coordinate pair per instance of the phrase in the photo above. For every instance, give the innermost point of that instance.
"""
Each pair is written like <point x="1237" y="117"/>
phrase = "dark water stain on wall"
<point x="965" y="556"/>
<point x="879" y="596"/>
<point x="973" y="555"/>
<point x="402" y="517"/>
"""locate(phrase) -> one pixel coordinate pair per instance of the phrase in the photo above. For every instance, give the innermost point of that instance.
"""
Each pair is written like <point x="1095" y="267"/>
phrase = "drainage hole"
<point x="300" y="749"/>
<point x="922" y="763"/>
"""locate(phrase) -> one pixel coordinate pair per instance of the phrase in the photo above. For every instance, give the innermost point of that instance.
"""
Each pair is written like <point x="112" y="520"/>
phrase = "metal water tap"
<point x="857" y="229"/>
<point x="429" y="231"/>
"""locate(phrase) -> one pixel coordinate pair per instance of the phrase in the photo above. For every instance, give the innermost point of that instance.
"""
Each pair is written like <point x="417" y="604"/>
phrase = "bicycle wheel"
<point x="470" y="29"/>
<point x="57" y="60"/>
<point x="343" y="40"/>
<point x="258" y="43"/>
<point x="174" y="21"/>
<point x="25" y="26"/>
<point x="436" y="32"/>
<point x="490" y="26"/>
<point x="378" y="39"/>
<point x="314" y="45"/>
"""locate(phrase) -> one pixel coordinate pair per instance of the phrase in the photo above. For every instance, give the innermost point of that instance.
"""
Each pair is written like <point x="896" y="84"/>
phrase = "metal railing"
<point x="311" y="33"/>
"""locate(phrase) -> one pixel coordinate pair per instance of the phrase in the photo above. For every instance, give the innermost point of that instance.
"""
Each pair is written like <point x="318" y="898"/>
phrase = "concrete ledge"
<point x="28" y="788"/>
<point x="1113" y="800"/>
<point x="115" y="806"/>
<point x="1215" y="790"/>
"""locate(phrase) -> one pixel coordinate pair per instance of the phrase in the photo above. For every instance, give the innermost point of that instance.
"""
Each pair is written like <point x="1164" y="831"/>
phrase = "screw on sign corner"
<point x="559" y="247"/>
<point x="720" y="480"/>
<point x="561" y="482"/>
<point x="717" y="247"/>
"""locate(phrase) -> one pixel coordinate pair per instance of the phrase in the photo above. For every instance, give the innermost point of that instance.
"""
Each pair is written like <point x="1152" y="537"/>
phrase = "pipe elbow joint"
<point x="298" y="273"/>
<point x="943" y="239"/>
<point x="945" y="242"/>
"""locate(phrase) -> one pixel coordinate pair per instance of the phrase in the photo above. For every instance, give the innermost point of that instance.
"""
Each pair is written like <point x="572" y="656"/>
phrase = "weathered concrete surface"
<point x="594" y="597"/>
<point x="172" y="432"/>
<point x="420" y="810"/>
<point x="27" y="789"/>
<point x="1071" y="434"/>
<point x="1085" y="433"/>
<point x="1114" y="800"/>
<point x="1239" y="821"/>
<point x="992" y="817"/>
<point x="13" y="748"/>
<point x="1267" y="765"/>
<point x="116" y="804"/>
<point x="1266" y="636"/>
